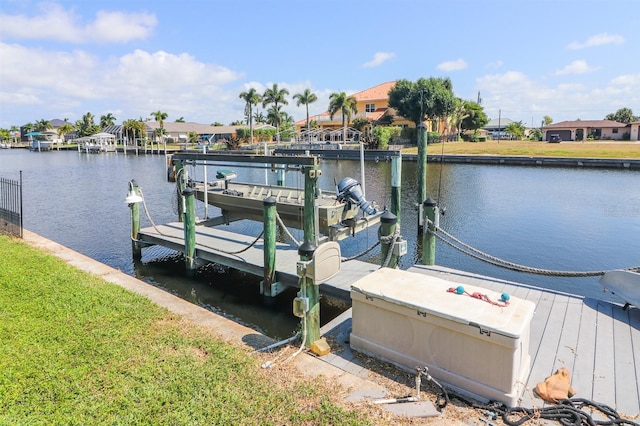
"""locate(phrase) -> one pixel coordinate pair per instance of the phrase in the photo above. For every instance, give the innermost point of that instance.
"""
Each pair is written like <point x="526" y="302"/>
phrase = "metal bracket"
<point x="276" y="288"/>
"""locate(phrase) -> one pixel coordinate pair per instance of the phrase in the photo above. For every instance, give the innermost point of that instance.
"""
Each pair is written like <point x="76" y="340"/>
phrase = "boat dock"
<point x="597" y="341"/>
<point x="221" y="247"/>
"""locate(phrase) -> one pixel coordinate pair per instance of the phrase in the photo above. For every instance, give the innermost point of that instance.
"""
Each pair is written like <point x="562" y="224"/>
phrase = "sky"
<point x="526" y="59"/>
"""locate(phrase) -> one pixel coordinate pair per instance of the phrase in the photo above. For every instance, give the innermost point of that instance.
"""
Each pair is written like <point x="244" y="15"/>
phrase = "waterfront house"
<point x="177" y="131"/>
<point x="587" y="129"/>
<point x="495" y="128"/>
<point x="372" y="105"/>
<point x="635" y="131"/>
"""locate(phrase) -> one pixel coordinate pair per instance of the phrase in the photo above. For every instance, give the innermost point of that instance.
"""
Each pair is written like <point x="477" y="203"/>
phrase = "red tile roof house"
<point x="585" y="129"/>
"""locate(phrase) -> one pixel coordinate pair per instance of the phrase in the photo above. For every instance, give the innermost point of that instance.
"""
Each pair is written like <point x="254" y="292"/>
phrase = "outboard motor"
<point x="348" y="190"/>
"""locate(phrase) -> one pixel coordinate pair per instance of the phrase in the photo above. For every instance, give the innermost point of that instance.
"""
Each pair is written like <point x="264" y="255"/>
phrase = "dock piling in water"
<point x="133" y="199"/>
<point x="269" y="249"/>
<point x="189" y="231"/>
<point x="428" y="239"/>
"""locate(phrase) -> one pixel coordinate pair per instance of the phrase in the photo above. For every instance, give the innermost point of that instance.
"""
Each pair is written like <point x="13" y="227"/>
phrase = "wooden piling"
<point x="308" y="289"/>
<point x="422" y="170"/>
<point x="428" y="239"/>
<point x="136" y="247"/>
<point x="269" y="250"/>
<point x="388" y="224"/>
<point x="396" y="182"/>
<point x="189" y="231"/>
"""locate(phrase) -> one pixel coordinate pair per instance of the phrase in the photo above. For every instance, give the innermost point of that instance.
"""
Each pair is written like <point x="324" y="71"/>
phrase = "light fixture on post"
<point x="132" y="197"/>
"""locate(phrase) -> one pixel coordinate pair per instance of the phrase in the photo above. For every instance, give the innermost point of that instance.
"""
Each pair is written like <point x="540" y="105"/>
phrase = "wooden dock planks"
<point x="598" y="341"/>
<point x="236" y="251"/>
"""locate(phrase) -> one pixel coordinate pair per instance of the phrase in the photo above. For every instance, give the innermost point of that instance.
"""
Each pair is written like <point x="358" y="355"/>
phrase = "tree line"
<point x="427" y="100"/>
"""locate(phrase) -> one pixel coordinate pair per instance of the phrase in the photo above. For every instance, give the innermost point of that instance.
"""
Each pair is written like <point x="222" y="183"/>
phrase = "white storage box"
<point x="412" y="320"/>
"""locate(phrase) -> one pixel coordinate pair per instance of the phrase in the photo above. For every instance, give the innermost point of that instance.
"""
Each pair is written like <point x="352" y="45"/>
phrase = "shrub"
<point x="384" y="134"/>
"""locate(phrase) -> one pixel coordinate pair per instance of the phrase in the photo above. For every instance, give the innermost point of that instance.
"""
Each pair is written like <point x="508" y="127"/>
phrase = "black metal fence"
<point x="11" y="206"/>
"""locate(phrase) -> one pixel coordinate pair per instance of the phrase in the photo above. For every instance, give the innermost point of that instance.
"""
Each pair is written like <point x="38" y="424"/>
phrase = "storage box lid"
<point x="430" y="295"/>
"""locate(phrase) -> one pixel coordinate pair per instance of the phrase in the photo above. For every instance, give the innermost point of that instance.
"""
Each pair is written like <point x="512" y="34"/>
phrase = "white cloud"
<point x="52" y="83"/>
<point x="576" y="67"/>
<point x="520" y="97"/>
<point x="52" y="22"/>
<point x="495" y="65"/>
<point x="378" y="59"/>
<point x="457" y="65"/>
<point x="597" y="40"/>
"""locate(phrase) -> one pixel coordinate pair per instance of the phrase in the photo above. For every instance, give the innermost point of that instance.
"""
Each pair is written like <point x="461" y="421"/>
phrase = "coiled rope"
<point x="390" y="240"/>
<point x="384" y="239"/>
<point x="452" y="241"/>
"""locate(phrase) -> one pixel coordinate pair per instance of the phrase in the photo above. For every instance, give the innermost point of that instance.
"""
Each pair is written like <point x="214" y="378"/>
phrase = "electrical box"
<point x="324" y="264"/>
<point x="400" y="248"/>
<point x="300" y="306"/>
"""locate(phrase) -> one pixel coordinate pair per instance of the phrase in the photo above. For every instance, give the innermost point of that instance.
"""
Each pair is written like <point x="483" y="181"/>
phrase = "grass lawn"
<point x="540" y="149"/>
<point x="77" y="350"/>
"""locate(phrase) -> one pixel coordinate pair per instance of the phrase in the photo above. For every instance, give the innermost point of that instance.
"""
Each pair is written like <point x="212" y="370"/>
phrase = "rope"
<point x="146" y="211"/>
<point x="389" y="240"/>
<point x="286" y="230"/>
<point x="346" y="259"/>
<point x="485" y="257"/>
<point x="566" y="412"/>
<point x="239" y="251"/>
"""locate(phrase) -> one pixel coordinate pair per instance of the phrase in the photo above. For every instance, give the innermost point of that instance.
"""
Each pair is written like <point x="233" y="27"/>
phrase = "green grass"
<point x="77" y="350"/>
<point x="536" y="149"/>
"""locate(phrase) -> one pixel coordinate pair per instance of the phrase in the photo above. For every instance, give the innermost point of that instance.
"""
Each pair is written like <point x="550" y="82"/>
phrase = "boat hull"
<point x="247" y="201"/>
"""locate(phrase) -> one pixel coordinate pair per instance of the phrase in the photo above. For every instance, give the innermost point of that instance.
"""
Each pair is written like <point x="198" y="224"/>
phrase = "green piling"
<point x="396" y="181"/>
<point x="308" y="289"/>
<point x="269" y="270"/>
<point x="189" y="231"/>
<point x="280" y="181"/>
<point x="136" y="247"/>
<point x="422" y="167"/>
<point x="428" y="239"/>
<point x="388" y="225"/>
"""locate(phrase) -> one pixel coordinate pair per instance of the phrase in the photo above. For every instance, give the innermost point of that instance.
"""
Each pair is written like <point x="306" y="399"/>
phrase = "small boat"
<point x="240" y="200"/>
<point x="100" y="142"/>
<point x="45" y="141"/>
<point x="5" y="145"/>
<point x="624" y="284"/>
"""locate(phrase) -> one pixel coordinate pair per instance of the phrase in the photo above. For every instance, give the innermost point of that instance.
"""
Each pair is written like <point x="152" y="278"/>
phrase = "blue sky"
<point x="568" y="59"/>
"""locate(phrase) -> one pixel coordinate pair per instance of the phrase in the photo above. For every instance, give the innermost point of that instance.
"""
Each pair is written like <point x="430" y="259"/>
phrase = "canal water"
<point x="550" y="218"/>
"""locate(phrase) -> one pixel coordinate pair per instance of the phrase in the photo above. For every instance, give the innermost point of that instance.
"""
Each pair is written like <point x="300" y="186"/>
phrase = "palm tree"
<point x="160" y="116"/>
<point x="42" y="125"/>
<point x="180" y="120"/>
<point x="251" y="97"/>
<point x="346" y="105"/>
<point x="275" y="96"/>
<point x="274" y="115"/>
<point x="14" y="129"/>
<point x="107" y="120"/>
<point x="258" y="117"/>
<point x="134" y="127"/>
<point x="305" y="98"/>
<point x="86" y="126"/>
<point x="64" y="129"/>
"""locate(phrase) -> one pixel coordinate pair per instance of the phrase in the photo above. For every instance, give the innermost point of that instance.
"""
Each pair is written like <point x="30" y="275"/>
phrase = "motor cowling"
<point x="349" y="190"/>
